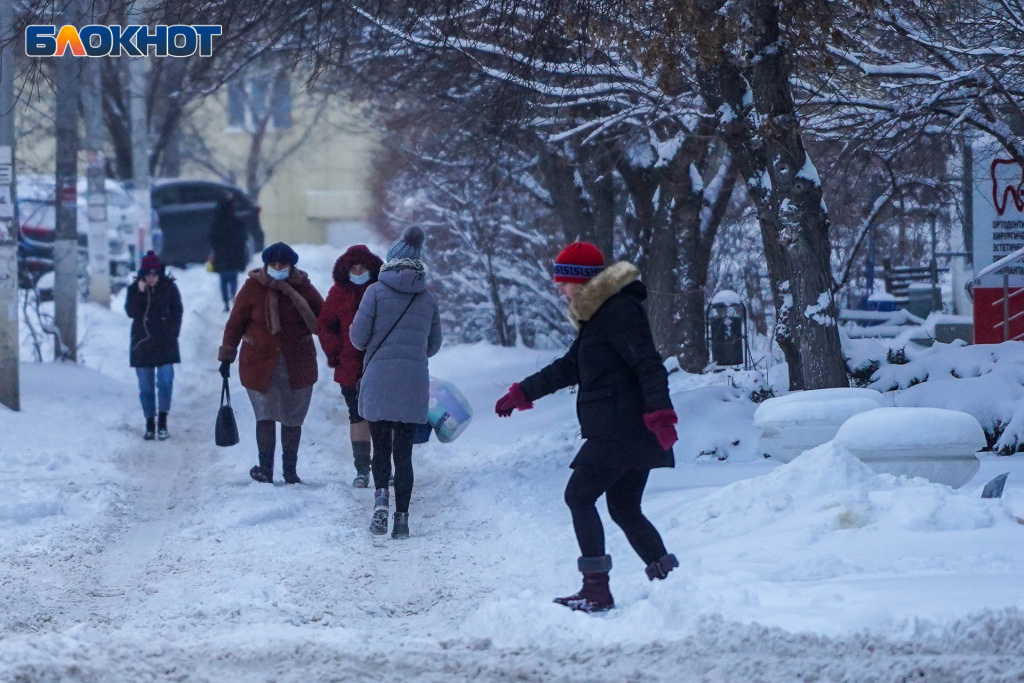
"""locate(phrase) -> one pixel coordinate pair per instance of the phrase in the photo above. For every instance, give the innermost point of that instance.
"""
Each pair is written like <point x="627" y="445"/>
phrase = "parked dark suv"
<point x="186" y="209"/>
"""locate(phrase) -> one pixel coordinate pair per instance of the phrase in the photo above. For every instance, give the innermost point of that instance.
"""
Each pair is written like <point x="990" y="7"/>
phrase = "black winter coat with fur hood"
<point x="619" y="372"/>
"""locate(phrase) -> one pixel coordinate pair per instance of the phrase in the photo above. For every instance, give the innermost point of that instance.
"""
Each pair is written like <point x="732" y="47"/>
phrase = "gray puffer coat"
<point x="396" y="381"/>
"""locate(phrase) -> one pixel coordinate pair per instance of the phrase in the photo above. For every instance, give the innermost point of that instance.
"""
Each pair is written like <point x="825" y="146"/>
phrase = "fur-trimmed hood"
<point x="404" y="275"/>
<point x="602" y="287"/>
<point x="358" y="254"/>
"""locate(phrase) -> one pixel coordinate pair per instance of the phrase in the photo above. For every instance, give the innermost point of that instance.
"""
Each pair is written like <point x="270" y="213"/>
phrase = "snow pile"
<point x="797" y="547"/>
<point x="932" y="429"/>
<point x="829" y="406"/>
<point x="986" y="381"/>
<point x="932" y="443"/>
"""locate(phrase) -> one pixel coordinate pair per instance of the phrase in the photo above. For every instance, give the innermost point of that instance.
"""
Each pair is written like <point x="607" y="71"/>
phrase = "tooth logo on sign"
<point x="178" y="40"/>
<point x="1007" y="187"/>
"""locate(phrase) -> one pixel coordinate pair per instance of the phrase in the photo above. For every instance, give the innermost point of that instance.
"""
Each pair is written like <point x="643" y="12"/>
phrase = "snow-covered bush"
<point x="986" y="381"/>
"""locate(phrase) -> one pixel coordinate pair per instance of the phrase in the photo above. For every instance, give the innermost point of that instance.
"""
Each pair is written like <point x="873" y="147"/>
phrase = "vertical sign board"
<point x="998" y="232"/>
<point x="8" y="233"/>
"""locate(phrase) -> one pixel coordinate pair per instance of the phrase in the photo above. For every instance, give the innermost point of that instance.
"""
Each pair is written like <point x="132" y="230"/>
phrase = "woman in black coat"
<point x="153" y="303"/>
<point x="624" y="411"/>
<point x="228" y="240"/>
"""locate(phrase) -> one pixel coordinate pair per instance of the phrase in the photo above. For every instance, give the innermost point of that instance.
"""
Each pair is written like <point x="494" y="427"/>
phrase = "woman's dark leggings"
<point x="623" y="491"/>
<point x="393" y="440"/>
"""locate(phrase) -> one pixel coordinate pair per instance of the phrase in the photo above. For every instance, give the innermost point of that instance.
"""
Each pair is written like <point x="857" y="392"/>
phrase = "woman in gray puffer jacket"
<point x="398" y="326"/>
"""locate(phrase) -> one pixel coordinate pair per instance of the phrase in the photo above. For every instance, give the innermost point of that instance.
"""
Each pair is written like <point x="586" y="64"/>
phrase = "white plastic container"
<point x="933" y="443"/>
<point x="799" y="421"/>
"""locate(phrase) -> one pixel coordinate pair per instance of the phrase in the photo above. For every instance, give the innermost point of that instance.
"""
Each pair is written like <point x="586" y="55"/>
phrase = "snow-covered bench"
<point x="936" y="444"/>
<point x="799" y="421"/>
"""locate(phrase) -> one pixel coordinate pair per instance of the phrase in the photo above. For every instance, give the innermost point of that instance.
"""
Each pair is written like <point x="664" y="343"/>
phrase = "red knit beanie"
<point x="150" y="262"/>
<point x="578" y="262"/>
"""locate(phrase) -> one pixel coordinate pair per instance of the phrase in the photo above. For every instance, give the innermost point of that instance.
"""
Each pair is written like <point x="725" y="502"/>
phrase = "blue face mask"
<point x="359" y="279"/>
<point x="278" y="274"/>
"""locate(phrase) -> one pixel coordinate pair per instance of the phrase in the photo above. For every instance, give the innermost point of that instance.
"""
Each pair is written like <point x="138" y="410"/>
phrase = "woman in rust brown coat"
<point x="274" y="318"/>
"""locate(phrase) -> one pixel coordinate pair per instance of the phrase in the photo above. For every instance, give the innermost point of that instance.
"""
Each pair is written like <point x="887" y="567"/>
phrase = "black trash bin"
<point x="727" y="323"/>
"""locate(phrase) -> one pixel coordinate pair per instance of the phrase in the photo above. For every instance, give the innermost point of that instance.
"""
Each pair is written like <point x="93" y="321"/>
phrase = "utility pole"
<point x="65" y="248"/>
<point x="140" y="139"/>
<point x="10" y="389"/>
<point x="96" y="191"/>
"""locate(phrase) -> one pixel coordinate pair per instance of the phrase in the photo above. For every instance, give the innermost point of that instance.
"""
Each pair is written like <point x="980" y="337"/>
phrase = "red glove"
<point x="513" y="400"/>
<point x="663" y="424"/>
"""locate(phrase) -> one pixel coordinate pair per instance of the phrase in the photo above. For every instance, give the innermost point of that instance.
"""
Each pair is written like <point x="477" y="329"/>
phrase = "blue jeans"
<point x="155" y="386"/>
<point x="228" y="285"/>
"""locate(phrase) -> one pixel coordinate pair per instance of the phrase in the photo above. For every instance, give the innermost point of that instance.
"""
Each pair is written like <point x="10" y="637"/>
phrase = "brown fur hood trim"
<point x="602" y="287"/>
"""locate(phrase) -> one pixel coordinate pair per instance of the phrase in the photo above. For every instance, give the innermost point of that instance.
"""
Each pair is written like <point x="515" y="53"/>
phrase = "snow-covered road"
<point x="129" y="560"/>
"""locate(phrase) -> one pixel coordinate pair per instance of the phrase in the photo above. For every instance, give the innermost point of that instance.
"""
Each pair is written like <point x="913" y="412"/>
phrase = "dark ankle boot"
<point x="288" y="464"/>
<point x="659" y="569"/>
<point x="400" y="529"/>
<point x="361" y="457"/>
<point x="264" y="472"/>
<point x="161" y="426"/>
<point x="595" y="595"/>
<point x="150" y="429"/>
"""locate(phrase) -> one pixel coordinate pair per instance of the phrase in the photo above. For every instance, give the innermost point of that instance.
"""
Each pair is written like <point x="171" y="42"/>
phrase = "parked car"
<point x="186" y="209"/>
<point x="37" y="214"/>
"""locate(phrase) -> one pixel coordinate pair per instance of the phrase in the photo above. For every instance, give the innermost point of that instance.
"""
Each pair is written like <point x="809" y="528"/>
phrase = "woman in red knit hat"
<point x="625" y="414"/>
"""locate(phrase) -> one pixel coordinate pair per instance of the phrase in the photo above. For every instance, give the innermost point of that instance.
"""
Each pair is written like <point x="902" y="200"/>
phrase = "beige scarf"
<point x="287" y="286"/>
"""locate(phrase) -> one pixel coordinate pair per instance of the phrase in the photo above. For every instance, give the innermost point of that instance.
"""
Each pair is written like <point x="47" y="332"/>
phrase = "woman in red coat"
<point x="354" y="271"/>
<point x="274" y="319"/>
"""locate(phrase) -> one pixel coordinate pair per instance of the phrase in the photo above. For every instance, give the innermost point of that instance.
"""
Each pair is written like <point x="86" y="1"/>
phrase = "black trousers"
<point x="393" y="440"/>
<point x="623" y="490"/>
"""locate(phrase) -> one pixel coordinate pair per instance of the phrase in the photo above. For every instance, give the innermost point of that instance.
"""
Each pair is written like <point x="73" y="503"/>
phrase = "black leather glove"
<point x="225" y="369"/>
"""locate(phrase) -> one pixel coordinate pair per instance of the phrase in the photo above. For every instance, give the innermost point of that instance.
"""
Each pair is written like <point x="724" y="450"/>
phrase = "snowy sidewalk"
<point x="129" y="560"/>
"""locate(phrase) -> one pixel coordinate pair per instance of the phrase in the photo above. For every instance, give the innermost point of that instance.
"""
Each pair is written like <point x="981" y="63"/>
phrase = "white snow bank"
<point x="951" y="360"/>
<point x="802" y="547"/>
<point x="932" y="443"/>
<point x="934" y="429"/>
<point x="834" y="411"/>
<point x="986" y="381"/>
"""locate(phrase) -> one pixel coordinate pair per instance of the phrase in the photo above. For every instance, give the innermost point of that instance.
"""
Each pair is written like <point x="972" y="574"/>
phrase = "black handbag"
<point x="226" y="433"/>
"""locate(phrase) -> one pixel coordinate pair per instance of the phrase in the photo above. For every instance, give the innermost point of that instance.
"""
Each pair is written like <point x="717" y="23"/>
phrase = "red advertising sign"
<point x="998" y="237"/>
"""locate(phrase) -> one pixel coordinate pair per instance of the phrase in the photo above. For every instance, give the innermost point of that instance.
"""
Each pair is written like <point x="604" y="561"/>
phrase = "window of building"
<point x="259" y="93"/>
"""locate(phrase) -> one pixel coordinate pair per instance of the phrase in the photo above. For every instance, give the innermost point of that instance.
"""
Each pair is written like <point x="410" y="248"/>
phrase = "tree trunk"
<point x="116" y="116"/>
<point x="763" y="134"/>
<point x="803" y="234"/>
<point x="673" y="263"/>
<point x="506" y="333"/>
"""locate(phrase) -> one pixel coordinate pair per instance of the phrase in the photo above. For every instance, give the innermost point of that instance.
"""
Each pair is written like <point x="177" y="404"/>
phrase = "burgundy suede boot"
<point x="660" y="568"/>
<point x="595" y="595"/>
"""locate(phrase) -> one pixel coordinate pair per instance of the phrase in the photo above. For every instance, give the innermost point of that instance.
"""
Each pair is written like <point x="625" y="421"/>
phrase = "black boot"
<point x="161" y="426"/>
<point x="288" y="463"/>
<point x="361" y="456"/>
<point x="150" y="429"/>
<point x="264" y="472"/>
<point x="400" y="529"/>
<point x="290" y="437"/>
<point x="595" y="595"/>
<point x="659" y="569"/>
